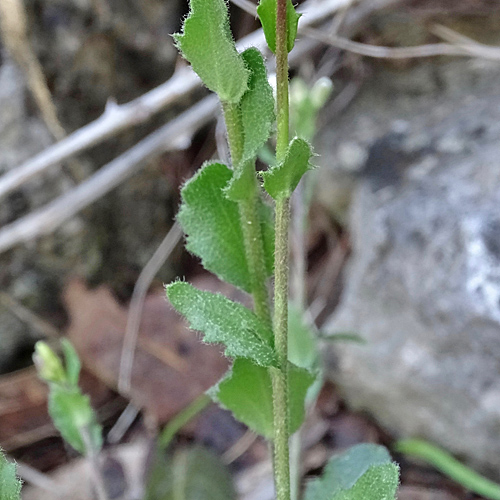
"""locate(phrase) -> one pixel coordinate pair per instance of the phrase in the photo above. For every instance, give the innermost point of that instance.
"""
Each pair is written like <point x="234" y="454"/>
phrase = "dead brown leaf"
<point x="171" y="366"/>
<point x="23" y="407"/>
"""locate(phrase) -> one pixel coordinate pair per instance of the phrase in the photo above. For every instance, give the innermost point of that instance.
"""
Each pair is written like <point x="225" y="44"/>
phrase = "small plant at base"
<point x="69" y="409"/>
<point x="228" y="225"/>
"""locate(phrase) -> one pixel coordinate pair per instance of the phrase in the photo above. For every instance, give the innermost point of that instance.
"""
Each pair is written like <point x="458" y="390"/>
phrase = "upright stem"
<point x="250" y="223"/>
<point x="282" y="114"/>
<point x="234" y="128"/>
<point x="254" y="247"/>
<point x="280" y="375"/>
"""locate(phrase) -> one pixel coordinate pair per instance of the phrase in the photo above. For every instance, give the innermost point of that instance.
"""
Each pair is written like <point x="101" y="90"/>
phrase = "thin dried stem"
<point x="38" y="479"/>
<point x="459" y="45"/>
<point x="470" y="49"/>
<point x="117" y="118"/>
<point x="52" y="216"/>
<point x="147" y="275"/>
<point x="114" y="120"/>
<point x="29" y="317"/>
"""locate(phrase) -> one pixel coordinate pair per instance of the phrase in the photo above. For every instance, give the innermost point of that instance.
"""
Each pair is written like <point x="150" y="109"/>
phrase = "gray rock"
<point x="423" y="283"/>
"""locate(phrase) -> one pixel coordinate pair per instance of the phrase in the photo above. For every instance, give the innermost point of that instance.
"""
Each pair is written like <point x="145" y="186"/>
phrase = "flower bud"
<point x="48" y="364"/>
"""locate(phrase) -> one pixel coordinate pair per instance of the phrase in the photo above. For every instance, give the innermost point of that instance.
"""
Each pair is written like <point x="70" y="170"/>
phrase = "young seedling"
<point x="69" y="409"/>
<point x="228" y="225"/>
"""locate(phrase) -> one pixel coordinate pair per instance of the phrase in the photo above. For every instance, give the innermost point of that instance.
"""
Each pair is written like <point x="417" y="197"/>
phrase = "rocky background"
<point x="417" y="152"/>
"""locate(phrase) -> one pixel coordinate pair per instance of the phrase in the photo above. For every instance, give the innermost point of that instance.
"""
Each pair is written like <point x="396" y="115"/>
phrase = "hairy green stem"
<point x="234" y="127"/>
<point x="280" y="376"/>
<point x="250" y="224"/>
<point x="282" y="106"/>
<point x="254" y="247"/>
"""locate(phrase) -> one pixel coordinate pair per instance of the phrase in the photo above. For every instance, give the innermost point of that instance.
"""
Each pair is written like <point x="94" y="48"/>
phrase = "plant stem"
<point x="234" y="128"/>
<point x="280" y="376"/>
<point x="249" y="217"/>
<point x="254" y="247"/>
<point x="282" y="114"/>
<point x="181" y="419"/>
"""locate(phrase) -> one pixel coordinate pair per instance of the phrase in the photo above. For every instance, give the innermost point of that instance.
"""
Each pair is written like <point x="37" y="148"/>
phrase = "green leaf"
<point x="246" y="390"/>
<point x="10" y="485"/>
<point x="212" y="224"/>
<point x="343" y="473"/>
<point x="72" y="362"/>
<point x="72" y="415"/>
<point x="206" y="42"/>
<point x="242" y="185"/>
<point x="257" y="117"/>
<point x="380" y="482"/>
<point x="267" y="14"/>
<point x="281" y="180"/>
<point x="257" y="105"/>
<point x="302" y="348"/>
<point x="190" y="474"/>
<point x="449" y="466"/>
<point x="224" y="321"/>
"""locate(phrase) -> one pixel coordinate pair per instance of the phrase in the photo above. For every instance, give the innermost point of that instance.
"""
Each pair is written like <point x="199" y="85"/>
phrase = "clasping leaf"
<point x="267" y="14"/>
<point x="246" y="390"/>
<point x="257" y="105"/>
<point x="73" y="417"/>
<point x="222" y="320"/>
<point x="257" y="118"/>
<point x="281" y="180"/>
<point x="212" y="224"/>
<point x="364" y="472"/>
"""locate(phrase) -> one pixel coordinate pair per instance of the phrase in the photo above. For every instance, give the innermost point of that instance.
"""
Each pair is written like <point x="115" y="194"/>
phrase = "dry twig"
<point x="471" y="48"/>
<point x="28" y="316"/>
<point x="114" y="120"/>
<point x="15" y="30"/>
<point x="51" y="216"/>
<point x="117" y="118"/>
<point x="459" y="45"/>
<point x="48" y="218"/>
<point x="39" y="479"/>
